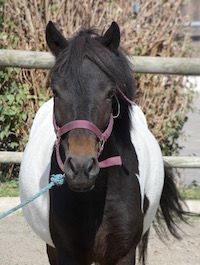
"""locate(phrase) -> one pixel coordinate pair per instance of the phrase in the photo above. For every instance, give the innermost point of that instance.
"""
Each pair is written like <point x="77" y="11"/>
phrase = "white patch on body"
<point x="35" y="169"/>
<point x="151" y="168"/>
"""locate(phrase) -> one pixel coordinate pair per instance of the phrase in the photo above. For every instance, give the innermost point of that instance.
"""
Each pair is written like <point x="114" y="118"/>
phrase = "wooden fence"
<point x="143" y="64"/>
<point x="156" y="65"/>
<point x="175" y="162"/>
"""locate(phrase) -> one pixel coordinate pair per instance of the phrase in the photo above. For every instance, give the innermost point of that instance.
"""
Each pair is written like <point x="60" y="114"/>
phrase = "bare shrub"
<point x="152" y="32"/>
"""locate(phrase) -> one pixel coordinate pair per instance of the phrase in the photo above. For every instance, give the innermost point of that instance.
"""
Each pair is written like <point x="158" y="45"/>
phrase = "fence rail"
<point x="10" y="157"/>
<point x="172" y="161"/>
<point x="142" y="64"/>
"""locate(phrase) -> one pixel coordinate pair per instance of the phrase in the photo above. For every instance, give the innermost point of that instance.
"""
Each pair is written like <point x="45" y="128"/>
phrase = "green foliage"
<point x="172" y="128"/>
<point x="16" y="116"/>
<point x="171" y="131"/>
<point x="13" y="114"/>
<point x="9" y="189"/>
<point x="191" y="192"/>
<point x="13" y="117"/>
<point x="1" y="11"/>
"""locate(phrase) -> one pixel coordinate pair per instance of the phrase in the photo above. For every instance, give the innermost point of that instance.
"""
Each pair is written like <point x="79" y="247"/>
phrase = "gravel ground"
<point x="20" y="246"/>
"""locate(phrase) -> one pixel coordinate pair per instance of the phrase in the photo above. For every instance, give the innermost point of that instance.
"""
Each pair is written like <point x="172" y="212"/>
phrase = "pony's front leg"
<point x="129" y="259"/>
<point x="52" y="255"/>
<point x="59" y="258"/>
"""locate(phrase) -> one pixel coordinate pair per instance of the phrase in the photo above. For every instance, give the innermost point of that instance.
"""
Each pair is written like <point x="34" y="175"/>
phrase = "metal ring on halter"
<point x="118" y="108"/>
<point x="101" y="145"/>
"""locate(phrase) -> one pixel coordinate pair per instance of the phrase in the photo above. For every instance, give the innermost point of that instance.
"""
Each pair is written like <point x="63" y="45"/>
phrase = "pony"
<point x="92" y="133"/>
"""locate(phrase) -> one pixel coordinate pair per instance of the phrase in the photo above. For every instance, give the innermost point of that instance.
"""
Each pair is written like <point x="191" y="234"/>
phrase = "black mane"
<point x="87" y="44"/>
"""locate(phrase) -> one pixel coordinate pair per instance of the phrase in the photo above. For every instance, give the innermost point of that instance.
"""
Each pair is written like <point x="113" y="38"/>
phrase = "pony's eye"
<point x="110" y="94"/>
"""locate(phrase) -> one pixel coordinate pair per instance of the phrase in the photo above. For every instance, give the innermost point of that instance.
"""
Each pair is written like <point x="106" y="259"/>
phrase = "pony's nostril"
<point x="92" y="167"/>
<point x="72" y="165"/>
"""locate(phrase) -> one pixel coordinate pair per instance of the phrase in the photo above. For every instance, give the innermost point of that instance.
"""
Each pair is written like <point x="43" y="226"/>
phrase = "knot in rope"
<point x="58" y="179"/>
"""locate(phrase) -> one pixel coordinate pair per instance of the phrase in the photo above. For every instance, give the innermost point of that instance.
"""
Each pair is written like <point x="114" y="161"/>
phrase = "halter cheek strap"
<point x="84" y="124"/>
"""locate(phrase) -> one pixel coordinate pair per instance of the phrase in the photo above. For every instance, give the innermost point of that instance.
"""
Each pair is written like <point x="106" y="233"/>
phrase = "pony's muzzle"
<point x="81" y="172"/>
<point x="81" y="165"/>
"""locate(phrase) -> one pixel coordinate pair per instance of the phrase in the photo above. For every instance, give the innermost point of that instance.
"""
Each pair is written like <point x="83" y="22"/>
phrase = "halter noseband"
<point x="84" y="124"/>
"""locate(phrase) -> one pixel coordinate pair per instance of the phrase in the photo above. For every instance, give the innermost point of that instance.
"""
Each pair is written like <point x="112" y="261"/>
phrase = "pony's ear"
<point x="55" y="40"/>
<point x="111" y="38"/>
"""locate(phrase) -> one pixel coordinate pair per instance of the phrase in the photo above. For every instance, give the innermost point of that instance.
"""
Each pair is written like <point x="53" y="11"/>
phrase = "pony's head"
<point x="88" y="69"/>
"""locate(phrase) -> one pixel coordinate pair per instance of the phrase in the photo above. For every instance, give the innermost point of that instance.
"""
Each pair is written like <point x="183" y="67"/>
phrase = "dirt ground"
<point x="20" y="246"/>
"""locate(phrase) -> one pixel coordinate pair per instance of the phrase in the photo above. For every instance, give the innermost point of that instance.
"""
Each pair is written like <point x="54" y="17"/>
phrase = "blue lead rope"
<point x="56" y="180"/>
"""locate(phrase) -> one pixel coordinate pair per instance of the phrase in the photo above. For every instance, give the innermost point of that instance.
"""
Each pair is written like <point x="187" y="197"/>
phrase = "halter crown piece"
<point x="84" y="124"/>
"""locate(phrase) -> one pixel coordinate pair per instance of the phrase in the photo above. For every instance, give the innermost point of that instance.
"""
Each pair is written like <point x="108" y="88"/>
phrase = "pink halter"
<point x="84" y="124"/>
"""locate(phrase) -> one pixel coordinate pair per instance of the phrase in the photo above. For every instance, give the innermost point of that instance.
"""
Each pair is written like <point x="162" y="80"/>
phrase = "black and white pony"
<point x="91" y="132"/>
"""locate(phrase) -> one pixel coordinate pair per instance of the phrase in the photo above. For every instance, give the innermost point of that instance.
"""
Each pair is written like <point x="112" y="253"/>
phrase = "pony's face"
<point x="92" y="102"/>
<point x="82" y="91"/>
